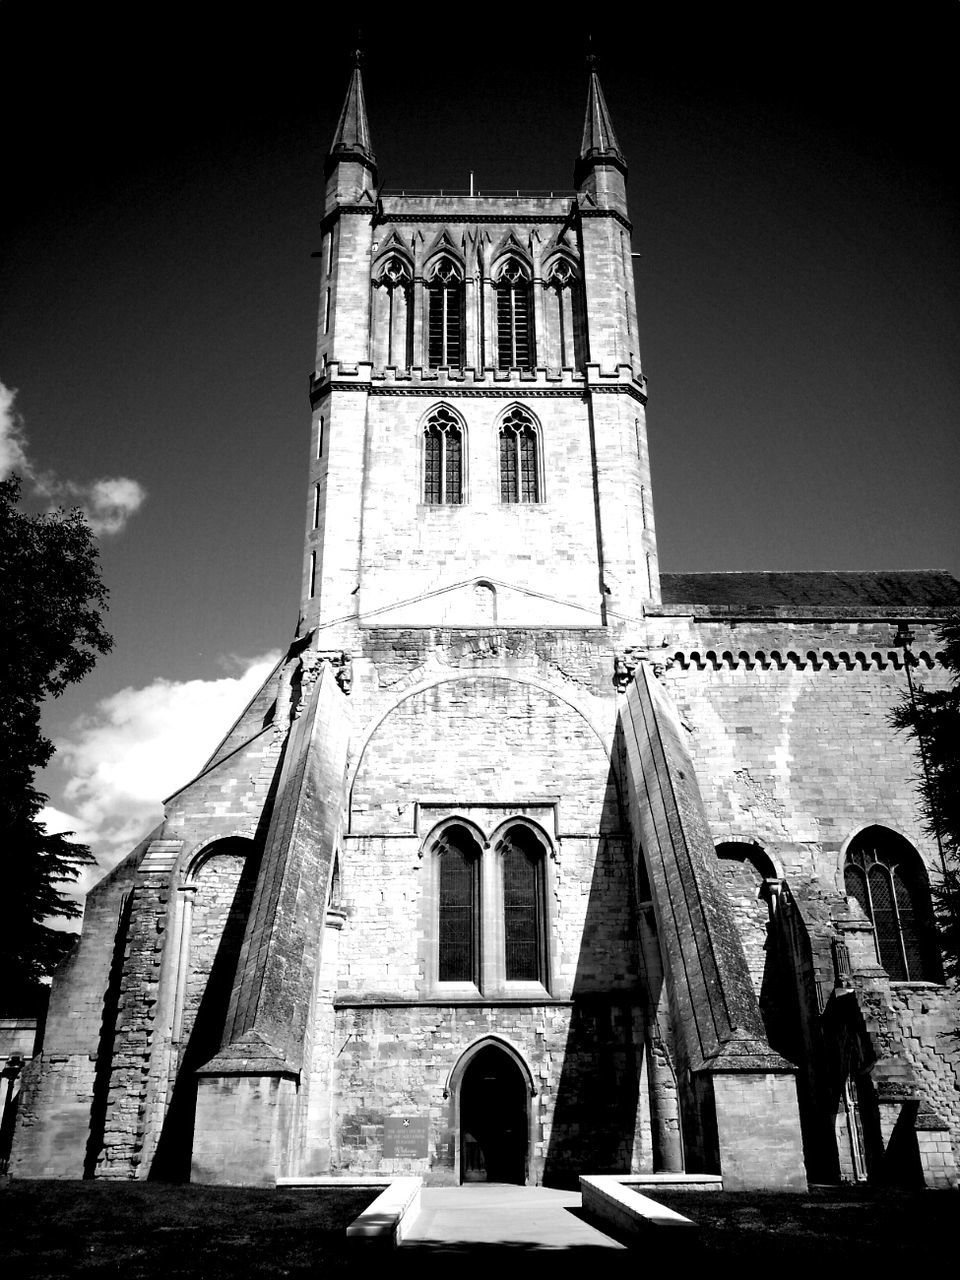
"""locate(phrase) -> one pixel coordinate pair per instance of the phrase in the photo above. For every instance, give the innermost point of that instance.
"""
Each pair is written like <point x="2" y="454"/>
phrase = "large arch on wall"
<point x="453" y="1086"/>
<point x="492" y="673"/>
<point x="209" y="935"/>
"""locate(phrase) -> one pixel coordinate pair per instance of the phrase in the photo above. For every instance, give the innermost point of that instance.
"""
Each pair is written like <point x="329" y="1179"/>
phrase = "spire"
<point x="351" y="141"/>
<point x="599" y="143"/>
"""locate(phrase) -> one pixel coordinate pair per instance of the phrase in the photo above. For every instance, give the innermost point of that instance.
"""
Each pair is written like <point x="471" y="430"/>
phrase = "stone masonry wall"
<point x="585" y="1061"/>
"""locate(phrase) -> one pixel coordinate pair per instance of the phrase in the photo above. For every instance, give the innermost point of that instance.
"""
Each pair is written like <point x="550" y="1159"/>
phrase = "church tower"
<point x="446" y="899"/>
<point x="479" y="448"/>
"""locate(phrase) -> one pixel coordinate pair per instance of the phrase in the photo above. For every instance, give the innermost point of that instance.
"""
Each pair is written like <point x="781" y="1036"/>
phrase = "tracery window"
<point x="442" y="458"/>
<point x="458" y="913"/>
<point x="393" y="314"/>
<point x="522" y="877"/>
<point x="885" y="875"/>
<point x="445" y="314"/>
<point x="488" y="905"/>
<point x="515" y="345"/>
<point x="519" y="463"/>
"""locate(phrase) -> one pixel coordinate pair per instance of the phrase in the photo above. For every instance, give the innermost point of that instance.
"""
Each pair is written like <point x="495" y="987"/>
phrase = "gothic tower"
<point x="447" y="899"/>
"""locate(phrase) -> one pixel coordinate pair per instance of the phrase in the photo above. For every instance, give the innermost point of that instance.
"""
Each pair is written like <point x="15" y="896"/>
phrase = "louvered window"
<point x="442" y="458"/>
<point x="515" y="347"/>
<point x="522" y="908"/>
<point x="458" y="913"/>
<point x="884" y="874"/>
<point x="445" y="315"/>
<point x="519" y="465"/>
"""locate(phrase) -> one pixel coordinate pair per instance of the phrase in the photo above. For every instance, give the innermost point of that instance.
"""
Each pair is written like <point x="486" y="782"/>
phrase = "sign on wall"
<point x="406" y="1137"/>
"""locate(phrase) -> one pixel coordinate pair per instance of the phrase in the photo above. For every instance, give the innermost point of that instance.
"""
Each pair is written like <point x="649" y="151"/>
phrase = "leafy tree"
<point x="51" y="632"/>
<point x="932" y="717"/>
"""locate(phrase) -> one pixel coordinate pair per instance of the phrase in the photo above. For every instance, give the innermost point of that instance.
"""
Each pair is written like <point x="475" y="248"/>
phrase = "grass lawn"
<point x="152" y="1231"/>
<point x="880" y="1231"/>
<point x="145" y="1231"/>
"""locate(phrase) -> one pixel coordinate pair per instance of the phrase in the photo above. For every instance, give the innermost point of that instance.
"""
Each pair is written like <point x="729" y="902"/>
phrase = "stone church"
<point x="528" y="860"/>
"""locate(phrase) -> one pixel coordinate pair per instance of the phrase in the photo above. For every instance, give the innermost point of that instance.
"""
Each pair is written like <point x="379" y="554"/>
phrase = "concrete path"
<point x="501" y="1219"/>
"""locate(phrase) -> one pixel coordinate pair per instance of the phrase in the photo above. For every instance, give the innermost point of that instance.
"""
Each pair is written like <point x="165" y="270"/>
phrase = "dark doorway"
<point x="493" y="1120"/>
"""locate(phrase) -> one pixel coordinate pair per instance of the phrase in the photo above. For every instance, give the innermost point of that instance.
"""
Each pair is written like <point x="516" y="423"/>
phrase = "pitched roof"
<point x="890" y="592"/>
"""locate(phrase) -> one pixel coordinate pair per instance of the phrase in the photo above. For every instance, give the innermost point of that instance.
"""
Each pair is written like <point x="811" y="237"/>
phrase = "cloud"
<point x="107" y="503"/>
<point x="138" y="746"/>
<point x="13" y="445"/>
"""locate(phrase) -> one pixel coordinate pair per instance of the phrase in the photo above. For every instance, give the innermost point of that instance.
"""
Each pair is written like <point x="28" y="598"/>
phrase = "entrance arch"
<point x="491" y="1090"/>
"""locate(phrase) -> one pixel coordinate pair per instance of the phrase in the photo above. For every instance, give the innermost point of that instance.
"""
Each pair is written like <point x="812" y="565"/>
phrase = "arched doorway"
<point x="493" y="1119"/>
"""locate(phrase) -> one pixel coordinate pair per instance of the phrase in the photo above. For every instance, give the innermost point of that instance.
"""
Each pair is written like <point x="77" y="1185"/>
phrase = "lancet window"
<point x="445" y="314"/>
<point x="519" y="461"/>
<point x="490" y="907"/>
<point x="442" y="458"/>
<point x="458" y="910"/>
<point x="883" y="872"/>
<point x="515" y="344"/>
<point x="522" y="877"/>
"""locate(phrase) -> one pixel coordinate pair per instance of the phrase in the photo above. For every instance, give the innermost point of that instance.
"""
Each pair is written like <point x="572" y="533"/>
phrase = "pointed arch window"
<point x="458" y="922"/>
<point x="443" y="458"/>
<point x="393" y="314"/>
<point x="445" y="314"/>
<point x="519" y="458"/>
<point x="515" y="338"/>
<point x="885" y="875"/>
<point x="521" y="860"/>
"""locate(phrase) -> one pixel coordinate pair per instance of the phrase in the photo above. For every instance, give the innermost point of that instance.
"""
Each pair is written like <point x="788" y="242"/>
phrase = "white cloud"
<point x="138" y="746"/>
<point x="107" y="503"/>
<point x="13" y="446"/>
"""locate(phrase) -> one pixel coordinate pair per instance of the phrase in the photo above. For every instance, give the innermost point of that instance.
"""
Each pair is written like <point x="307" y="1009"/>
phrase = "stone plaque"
<point x="406" y="1136"/>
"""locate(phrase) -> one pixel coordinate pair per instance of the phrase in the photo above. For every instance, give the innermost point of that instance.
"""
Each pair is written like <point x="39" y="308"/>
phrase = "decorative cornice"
<point x="452" y="218"/>
<point x="607" y="213"/>
<point x="814" y="659"/>
<point x="504" y="391"/>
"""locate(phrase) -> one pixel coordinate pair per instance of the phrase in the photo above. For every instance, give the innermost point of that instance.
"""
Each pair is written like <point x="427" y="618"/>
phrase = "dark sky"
<point x="794" y="197"/>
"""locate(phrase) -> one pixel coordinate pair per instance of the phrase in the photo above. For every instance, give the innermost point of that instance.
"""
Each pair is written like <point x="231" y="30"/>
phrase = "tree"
<point x="51" y="633"/>
<point x="932" y="717"/>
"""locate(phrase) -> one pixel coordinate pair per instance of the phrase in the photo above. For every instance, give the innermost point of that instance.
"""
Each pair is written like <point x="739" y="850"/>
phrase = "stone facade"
<point x="524" y="848"/>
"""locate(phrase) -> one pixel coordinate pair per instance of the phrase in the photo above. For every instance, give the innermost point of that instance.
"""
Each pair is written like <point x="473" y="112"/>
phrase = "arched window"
<point x="445" y="314"/>
<point x="393" y="314"/>
<point x="442" y="458"/>
<point x="519" y="464"/>
<point x="515" y="345"/>
<point x="458" y="907"/>
<point x="564" y="314"/>
<point x="883" y="872"/>
<point x="521" y="860"/>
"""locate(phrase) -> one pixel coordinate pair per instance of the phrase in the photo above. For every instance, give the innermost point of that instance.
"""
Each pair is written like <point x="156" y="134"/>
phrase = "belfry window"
<point x="515" y="346"/>
<point x="442" y="458"/>
<point x="519" y="463"/>
<point x="883" y="872"/>
<point x="522" y="875"/>
<point x="459" y="901"/>
<point x="445" y="315"/>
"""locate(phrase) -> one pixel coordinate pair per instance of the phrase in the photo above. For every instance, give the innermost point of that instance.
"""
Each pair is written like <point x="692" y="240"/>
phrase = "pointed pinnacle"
<point x="598" y="135"/>
<point x="353" y="131"/>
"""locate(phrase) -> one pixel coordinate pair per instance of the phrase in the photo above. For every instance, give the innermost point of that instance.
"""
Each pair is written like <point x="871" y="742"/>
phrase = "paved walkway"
<point x="500" y="1218"/>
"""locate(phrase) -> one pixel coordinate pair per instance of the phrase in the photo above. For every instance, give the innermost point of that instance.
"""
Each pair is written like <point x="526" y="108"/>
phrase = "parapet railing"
<point x="486" y="194"/>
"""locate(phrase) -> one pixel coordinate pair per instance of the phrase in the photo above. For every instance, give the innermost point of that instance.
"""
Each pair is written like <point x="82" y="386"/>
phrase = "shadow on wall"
<point x="595" y="1107"/>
